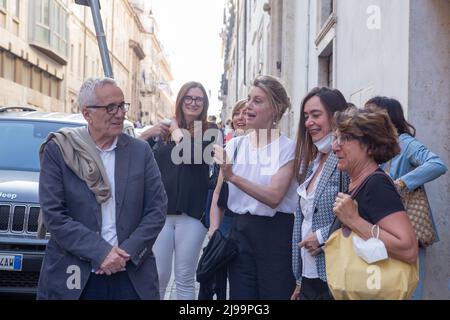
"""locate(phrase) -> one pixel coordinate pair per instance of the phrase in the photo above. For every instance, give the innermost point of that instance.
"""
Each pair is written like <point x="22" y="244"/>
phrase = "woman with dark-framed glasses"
<point x="185" y="174"/>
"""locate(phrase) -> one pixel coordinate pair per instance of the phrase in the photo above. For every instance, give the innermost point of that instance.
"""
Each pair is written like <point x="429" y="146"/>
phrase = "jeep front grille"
<point x="24" y="279"/>
<point x="18" y="218"/>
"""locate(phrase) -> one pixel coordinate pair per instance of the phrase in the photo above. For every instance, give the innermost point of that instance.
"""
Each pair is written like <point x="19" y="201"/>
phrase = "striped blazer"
<point x="326" y="192"/>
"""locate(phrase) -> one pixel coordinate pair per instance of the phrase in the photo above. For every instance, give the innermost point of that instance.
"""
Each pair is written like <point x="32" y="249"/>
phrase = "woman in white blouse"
<point x="316" y="168"/>
<point x="262" y="194"/>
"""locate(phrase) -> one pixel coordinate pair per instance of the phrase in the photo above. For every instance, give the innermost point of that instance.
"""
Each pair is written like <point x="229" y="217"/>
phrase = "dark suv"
<point x="21" y="134"/>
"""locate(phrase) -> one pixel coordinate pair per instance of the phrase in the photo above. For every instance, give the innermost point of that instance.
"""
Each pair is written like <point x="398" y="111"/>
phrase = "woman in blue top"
<point x="413" y="167"/>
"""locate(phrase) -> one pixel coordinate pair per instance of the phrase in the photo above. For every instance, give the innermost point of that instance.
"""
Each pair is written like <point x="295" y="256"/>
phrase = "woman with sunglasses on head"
<point x="319" y="178"/>
<point x="413" y="167"/>
<point x="186" y="178"/>
<point x="262" y="196"/>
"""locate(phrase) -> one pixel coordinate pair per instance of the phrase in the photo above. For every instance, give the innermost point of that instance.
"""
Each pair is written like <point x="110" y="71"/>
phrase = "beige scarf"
<point x="80" y="155"/>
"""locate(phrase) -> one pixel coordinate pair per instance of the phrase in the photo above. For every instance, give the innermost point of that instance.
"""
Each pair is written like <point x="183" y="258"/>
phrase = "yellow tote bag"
<point x="350" y="278"/>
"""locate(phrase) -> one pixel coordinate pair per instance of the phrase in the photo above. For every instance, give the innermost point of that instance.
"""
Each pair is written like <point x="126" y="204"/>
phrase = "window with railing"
<point x="42" y="24"/>
<point x="48" y="29"/>
<point x="60" y="29"/>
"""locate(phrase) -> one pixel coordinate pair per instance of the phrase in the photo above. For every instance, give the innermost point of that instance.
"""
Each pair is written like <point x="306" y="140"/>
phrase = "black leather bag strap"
<point x="236" y="150"/>
<point x="337" y="224"/>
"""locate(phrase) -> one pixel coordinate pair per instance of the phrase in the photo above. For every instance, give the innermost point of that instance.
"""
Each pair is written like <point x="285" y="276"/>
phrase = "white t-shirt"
<point x="258" y="165"/>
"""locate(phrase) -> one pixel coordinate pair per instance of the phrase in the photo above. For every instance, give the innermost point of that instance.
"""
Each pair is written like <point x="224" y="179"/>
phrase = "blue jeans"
<point x="418" y="293"/>
<point x="225" y="225"/>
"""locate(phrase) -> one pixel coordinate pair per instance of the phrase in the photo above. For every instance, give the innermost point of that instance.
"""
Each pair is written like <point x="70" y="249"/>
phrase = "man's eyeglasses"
<point x="340" y="140"/>
<point x="113" y="108"/>
<point x="199" y="101"/>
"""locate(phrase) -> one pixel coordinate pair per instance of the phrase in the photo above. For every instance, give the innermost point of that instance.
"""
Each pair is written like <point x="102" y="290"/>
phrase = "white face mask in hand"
<point x="372" y="250"/>
<point x="324" y="145"/>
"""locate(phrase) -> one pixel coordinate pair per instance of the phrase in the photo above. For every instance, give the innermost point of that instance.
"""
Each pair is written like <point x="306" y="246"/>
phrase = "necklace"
<point x="355" y="182"/>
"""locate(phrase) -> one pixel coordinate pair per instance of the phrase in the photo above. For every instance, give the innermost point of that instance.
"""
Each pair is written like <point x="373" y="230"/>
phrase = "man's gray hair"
<point x="87" y="96"/>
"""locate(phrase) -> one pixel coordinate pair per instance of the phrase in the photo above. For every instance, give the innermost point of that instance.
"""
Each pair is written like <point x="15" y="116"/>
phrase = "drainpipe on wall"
<point x="238" y="18"/>
<point x="308" y="37"/>
<point x="245" y="41"/>
<point x="84" y="45"/>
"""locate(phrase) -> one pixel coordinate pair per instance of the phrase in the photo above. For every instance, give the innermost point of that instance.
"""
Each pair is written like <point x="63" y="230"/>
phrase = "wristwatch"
<point x="401" y="184"/>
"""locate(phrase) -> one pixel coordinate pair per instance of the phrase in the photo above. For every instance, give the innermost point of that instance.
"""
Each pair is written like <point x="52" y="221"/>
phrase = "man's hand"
<point x="311" y="244"/>
<point x="115" y="261"/>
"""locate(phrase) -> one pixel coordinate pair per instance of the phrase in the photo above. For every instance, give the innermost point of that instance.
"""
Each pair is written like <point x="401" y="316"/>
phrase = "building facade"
<point x="33" y="53"/>
<point x="49" y="47"/>
<point x="364" y="48"/>
<point x="155" y="74"/>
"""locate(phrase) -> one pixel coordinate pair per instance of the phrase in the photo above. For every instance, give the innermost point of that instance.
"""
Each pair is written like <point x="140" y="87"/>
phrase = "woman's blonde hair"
<point x="276" y="93"/>
<point x="241" y="104"/>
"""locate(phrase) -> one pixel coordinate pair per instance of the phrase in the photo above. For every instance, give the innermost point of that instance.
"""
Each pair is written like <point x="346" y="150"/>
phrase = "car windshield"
<point x="20" y="142"/>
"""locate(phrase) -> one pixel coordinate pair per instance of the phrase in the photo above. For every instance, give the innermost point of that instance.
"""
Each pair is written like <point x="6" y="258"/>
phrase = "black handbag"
<point x="216" y="255"/>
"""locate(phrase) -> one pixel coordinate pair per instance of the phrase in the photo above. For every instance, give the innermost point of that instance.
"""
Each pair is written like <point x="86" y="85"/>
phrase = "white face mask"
<point x="324" y="145"/>
<point x="372" y="250"/>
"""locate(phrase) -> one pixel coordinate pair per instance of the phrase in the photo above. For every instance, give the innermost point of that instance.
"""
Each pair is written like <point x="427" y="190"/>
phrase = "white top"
<point x="258" y="165"/>
<point x="307" y="205"/>
<point x="109" y="231"/>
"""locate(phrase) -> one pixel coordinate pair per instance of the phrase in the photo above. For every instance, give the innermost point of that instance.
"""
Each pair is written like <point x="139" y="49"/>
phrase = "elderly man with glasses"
<point x="103" y="202"/>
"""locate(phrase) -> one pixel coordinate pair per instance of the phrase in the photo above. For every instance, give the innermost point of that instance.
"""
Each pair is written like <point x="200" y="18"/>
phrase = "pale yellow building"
<point x="33" y="53"/>
<point x="156" y="94"/>
<point x="48" y="47"/>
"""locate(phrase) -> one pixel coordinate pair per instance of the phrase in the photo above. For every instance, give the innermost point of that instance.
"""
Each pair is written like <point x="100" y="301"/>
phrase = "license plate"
<point x="11" y="262"/>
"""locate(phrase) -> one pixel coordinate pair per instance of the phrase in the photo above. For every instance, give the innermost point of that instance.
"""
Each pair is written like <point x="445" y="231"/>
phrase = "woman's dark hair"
<point x="305" y="151"/>
<point x="395" y="111"/>
<point x="179" y="114"/>
<point x="371" y="126"/>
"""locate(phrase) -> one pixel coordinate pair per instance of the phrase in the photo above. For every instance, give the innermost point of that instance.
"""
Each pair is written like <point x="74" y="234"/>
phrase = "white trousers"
<point x="183" y="236"/>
